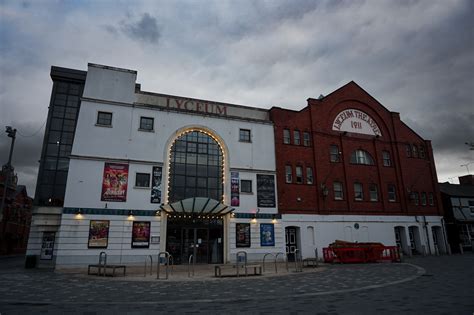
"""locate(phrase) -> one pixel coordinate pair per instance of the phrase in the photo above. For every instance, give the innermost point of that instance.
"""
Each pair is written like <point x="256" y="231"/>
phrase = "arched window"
<point x="196" y="167"/>
<point x="361" y="157"/>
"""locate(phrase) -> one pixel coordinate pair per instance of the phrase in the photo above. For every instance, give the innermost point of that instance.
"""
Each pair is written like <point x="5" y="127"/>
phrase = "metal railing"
<point x="298" y="263"/>
<point x="284" y="257"/>
<point x="274" y="259"/>
<point x="191" y="258"/>
<point x="102" y="262"/>
<point x="166" y="256"/>
<point x="151" y="265"/>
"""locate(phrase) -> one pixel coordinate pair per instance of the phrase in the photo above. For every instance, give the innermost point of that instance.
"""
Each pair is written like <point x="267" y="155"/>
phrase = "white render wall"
<point x="256" y="252"/>
<point x="125" y="143"/>
<point x="328" y="228"/>
<point x="72" y="250"/>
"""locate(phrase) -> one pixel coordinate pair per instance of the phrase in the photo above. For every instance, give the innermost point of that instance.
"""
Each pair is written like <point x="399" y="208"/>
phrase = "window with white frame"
<point x="296" y="137"/>
<point x="338" y="192"/>
<point x="246" y="186"/>
<point x="361" y="157"/>
<point x="415" y="196"/>
<point x="306" y="139"/>
<point x="392" y="193"/>
<point x="387" y="161"/>
<point x="423" y="199"/>
<point x="309" y="175"/>
<point x="299" y="175"/>
<point x="358" y="191"/>
<point x="288" y="174"/>
<point x="334" y="153"/>
<point x="286" y="136"/>
<point x="431" y="199"/>
<point x="374" y="192"/>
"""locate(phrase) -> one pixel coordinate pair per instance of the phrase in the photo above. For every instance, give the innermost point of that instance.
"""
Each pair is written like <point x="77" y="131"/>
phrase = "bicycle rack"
<point x="171" y="262"/>
<point x="167" y="262"/>
<point x="191" y="258"/>
<point x="298" y="264"/>
<point x="285" y="258"/>
<point x="274" y="259"/>
<point x="102" y="262"/>
<point x="238" y="255"/>
<point x="151" y="265"/>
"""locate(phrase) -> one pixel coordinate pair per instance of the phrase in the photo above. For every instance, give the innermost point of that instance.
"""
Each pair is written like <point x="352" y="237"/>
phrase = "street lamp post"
<point x="7" y="169"/>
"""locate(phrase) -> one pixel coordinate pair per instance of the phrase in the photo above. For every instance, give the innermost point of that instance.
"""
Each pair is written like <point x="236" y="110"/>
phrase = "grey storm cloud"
<point x="146" y="29"/>
<point x="414" y="56"/>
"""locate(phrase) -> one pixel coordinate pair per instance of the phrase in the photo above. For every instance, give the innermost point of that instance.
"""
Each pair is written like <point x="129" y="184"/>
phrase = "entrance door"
<point x="195" y="242"/>
<point x="291" y="242"/>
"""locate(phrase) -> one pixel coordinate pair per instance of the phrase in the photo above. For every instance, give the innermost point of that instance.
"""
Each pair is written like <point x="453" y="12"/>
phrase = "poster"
<point x="267" y="234"/>
<point x="141" y="234"/>
<point x="234" y="189"/>
<point x="242" y="234"/>
<point x="47" y="245"/>
<point x="265" y="191"/>
<point x="156" y="184"/>
<point x="114" y="183"/>
<point x="98" y="233"/>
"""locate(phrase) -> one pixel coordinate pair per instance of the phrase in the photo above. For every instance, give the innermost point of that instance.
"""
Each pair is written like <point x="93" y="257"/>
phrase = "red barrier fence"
<point x="347" y="255"/>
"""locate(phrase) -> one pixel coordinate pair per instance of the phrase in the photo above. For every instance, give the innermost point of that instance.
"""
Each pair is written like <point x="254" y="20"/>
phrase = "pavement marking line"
<point x="419" y="272"/>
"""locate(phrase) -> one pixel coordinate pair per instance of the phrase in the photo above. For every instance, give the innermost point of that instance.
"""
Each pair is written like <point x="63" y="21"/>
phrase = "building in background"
<point x="16" y="219"/>
<point x="349" y="169"/>
<point x="458" y="203"/>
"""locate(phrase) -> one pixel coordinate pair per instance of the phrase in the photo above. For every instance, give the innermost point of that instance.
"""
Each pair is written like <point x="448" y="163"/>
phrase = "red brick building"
<point x="348" y="168"/>
<point x="16" y="218"/>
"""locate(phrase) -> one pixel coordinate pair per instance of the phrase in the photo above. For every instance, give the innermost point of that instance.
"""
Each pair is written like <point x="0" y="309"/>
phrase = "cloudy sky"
<point x="415" y="57"/>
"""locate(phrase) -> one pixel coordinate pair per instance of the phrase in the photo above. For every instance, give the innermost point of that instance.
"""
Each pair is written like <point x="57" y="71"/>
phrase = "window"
<point x="196" y="167"/>
<point x="392" y="193"/>
<point x="358" y="191"/>
<point x="414" y="151"/>
<point x="296" y="137"/>
<point x="246" y="186"/>
<point x="309" y="175"/>
<point x="422" y="152"/>
<point x="146" y="123"/>
<point x="408" y="150"/>
<point x="334" y="153"/>
<point x="306" y="139"/>
<point x="361" y="157"/>
<point x="104" y="119"/>
<point x="338" y="193"/>
<point x="299" y="175"/>
<point x="471" y="207"/>
<point x="386" y="158"/>
<point x="415" y="197"/>
<point x="142" y="180"/>
<point x="289" y="174"/>
<point x="423" y="199"/>
<point x="430" y="199"/>
<point x="244" y="135"/>
<point x="286" y="136"/>
<point x="374" y="193"/>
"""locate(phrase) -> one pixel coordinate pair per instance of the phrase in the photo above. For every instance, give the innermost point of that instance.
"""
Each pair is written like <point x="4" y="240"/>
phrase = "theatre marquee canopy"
<point x="197" y="206"/>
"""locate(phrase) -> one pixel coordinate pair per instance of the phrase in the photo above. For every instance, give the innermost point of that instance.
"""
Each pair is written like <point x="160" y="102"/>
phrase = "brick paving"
<point x="434" y="285"/>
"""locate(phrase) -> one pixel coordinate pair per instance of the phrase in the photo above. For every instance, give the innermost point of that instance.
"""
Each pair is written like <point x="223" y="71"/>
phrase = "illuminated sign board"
<point x="356" y="121"/>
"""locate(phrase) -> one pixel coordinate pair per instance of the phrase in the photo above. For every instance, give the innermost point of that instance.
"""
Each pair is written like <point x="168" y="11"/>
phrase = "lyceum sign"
<point x="196" y="105"/>
<point x="354" y="120"/>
